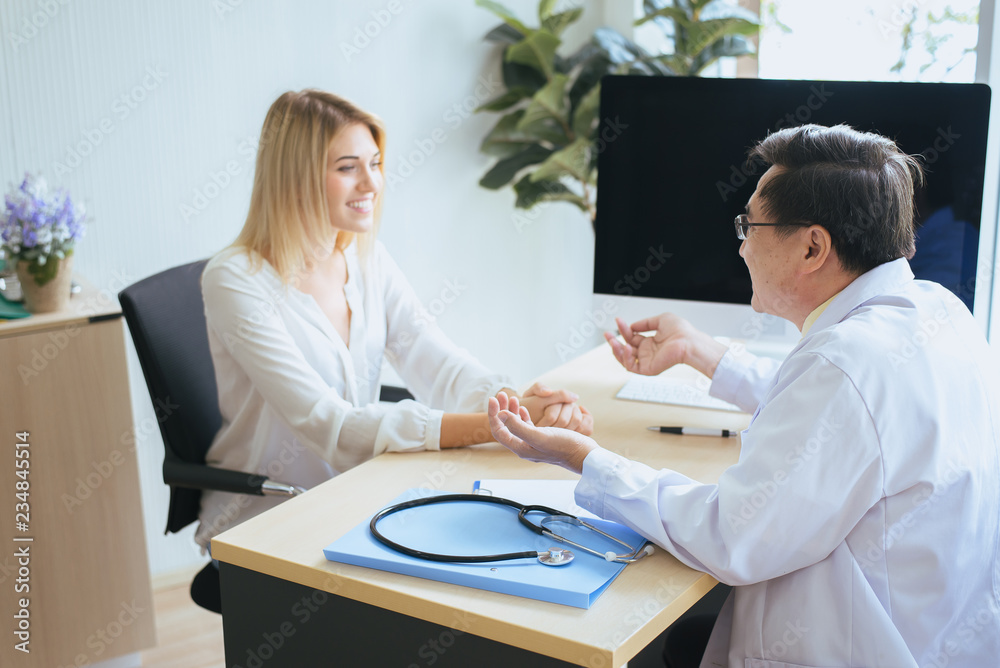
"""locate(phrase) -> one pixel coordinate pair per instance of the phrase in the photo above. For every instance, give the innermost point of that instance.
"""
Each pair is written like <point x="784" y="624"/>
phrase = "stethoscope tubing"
<point x="523" y="511"/>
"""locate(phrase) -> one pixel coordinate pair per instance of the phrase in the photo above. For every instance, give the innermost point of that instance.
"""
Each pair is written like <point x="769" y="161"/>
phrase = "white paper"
<point x="557" y="494"/>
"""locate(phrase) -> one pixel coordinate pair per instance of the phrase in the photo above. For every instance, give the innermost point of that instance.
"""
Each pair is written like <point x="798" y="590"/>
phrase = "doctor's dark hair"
<point x="857" y="185"/>
<point x="288" y="223"/>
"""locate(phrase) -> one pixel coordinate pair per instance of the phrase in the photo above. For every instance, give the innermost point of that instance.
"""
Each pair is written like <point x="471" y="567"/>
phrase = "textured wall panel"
<point x="138" y="107"/>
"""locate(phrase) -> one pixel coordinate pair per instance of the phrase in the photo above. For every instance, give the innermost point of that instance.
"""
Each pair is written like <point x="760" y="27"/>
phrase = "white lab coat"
<point x="300" y="406"/>
<point x="861" y="526"/>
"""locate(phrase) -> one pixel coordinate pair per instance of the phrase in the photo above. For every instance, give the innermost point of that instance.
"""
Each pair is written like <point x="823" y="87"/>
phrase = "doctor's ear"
<point x="819" y="245"/>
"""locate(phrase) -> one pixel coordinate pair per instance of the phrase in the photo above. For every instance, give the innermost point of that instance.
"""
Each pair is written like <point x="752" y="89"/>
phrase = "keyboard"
<point x="657" y="390"/>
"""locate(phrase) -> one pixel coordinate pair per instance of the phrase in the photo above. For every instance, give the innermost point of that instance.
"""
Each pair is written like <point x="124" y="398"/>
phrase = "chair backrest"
<point x="166" y="316"/>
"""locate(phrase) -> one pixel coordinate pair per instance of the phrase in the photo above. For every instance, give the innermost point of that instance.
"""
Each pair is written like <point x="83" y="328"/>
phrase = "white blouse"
<point x="300" y="406"/>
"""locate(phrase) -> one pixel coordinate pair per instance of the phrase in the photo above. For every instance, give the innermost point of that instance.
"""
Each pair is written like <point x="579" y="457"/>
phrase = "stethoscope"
<point x="551" y="557"/>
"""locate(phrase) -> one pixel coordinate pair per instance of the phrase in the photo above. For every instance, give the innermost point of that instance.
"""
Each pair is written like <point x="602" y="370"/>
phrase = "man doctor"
<point x="861" y="525"/>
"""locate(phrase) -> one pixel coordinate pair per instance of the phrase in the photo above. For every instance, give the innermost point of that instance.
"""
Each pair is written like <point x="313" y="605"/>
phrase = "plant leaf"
<point x="617" y="47"/>
<point x="537" y="50"/>
<point x="574" y="160"/>
<point x="595" y="66"/>
<point x="516" y="75"/>
<point x="585" y="53"/>
<point x="505" y="170"/>
<point x="673" y="13"/>
<point x="545" y="9"/>
<point x="505" y="14"/>
<point x="504" y="34"/>
<point x="720" y="9"/>
<point x="505" y="101"/>
<point x="585" y="115"/>
<point x="703" y="34"/>
<point x="530" y="193"/>
<point x="698" y="5"/>
<point x="557" y="23"/>
<point x="676" y="64"/>
<point x="548" y="109"/>
<point x="547" y="130"/>
<point x="727" y="47"/>
<point x="505" y="140"/>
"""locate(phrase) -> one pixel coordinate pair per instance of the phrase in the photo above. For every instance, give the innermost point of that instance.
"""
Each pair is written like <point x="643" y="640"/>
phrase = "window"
<point x="869" y="40"/>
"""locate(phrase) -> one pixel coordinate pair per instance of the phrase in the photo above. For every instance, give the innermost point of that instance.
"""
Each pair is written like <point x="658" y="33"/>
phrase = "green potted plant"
<point x="546" y="138"/>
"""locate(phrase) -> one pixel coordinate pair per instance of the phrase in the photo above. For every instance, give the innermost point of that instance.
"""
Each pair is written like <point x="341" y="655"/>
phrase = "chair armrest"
<point x="201" y="476"/>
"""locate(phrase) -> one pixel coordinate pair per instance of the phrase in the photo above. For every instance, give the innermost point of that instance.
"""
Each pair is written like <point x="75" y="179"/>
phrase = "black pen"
<point x="694" y="431"/>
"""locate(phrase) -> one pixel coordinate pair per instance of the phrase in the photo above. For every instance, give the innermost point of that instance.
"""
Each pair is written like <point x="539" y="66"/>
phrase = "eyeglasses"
<point x="743" y="225"/>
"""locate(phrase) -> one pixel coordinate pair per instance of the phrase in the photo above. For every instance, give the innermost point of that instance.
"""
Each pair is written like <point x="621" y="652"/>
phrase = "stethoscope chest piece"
<point x="555" y="557"/>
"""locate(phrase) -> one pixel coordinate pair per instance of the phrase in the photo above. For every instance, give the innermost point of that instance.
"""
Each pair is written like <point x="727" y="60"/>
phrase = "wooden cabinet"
<point x="73" y="568"/>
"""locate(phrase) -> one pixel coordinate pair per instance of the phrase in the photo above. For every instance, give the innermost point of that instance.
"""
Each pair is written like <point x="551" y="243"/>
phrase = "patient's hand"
<point x="512" y="428"/>
<point x="556" y="408"/>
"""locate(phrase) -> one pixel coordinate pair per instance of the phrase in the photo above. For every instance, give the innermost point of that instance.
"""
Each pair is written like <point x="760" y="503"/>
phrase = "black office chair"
<point x="166" y="316"/>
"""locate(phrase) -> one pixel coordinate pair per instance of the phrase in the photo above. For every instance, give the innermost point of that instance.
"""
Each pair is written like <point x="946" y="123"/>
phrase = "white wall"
<point x="139" y="107"/>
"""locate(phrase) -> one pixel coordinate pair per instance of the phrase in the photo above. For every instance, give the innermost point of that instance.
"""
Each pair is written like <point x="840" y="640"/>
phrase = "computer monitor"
<point x="673" y="173"/>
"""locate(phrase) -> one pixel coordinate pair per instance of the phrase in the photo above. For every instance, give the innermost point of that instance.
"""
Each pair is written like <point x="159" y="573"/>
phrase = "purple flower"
<point x="35" y="225"/>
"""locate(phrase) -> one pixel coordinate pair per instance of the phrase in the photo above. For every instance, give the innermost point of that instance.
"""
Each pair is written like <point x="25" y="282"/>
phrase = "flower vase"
<point x="46" y="287"/>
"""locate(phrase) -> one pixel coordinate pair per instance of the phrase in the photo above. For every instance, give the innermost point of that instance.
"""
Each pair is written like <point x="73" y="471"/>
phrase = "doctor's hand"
<point x="555" y="408"/>
<point x="674" y="341"/>
<point x="511" y="426"/>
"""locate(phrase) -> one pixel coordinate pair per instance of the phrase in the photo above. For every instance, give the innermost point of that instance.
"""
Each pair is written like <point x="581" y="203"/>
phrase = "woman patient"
<point x="303" y="306"/>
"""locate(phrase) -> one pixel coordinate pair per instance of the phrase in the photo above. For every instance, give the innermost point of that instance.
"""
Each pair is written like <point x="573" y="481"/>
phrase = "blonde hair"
<point x="289" y="221"/>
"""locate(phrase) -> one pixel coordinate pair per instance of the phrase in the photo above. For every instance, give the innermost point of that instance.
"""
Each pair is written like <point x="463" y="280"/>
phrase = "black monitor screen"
<point x="673" y="174"/>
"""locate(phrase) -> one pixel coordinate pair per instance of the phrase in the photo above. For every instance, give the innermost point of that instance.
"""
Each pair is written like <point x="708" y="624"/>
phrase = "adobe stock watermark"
<point x="37" y="21"/>
<point x="629" y="283"/>
<point x="266" y="307"/>
<point x="218" y="180"/>
<point x="105" y="636"/>
<point x="790" y="637"/>
<point x="41" y="357"/>
<point x="437" y="646"/>
<point x="873" y="555"/>
<point x="453" y="117"/>
<point x="666" y="592"/>
<point x="121" y="108"/>
<point x="399" y="345"/>
<point x="928" y="329"/>
<point x="223" y="8"/>
<point x="363" y="35"/>
<point x="58" y="341"/>
<point x="579" y="334"/>
<point x="229" y="514"/>
<point x="963" y="637"/>
<point x="100" y="471"/>
<point x="611" y="130"/>
<point x="945" y="140"/>
<point x="739" y="174"/>
<point x="300" y="614"/>
<point x="594" y="321"/>
<point x="796" y="459"/>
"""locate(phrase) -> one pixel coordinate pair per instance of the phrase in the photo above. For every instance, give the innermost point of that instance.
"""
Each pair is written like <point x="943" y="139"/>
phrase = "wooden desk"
<point x="274" y="571"/>
<point x="64" y="381"/>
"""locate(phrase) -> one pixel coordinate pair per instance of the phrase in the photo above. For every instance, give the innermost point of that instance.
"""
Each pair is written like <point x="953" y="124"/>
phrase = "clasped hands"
<point x="673" y="341"/>
<point x="554" y="408"/>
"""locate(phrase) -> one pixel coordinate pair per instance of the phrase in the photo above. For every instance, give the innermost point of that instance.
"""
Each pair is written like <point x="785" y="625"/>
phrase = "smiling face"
<point x="353" y="179"/>
<point x="769" y="258"/>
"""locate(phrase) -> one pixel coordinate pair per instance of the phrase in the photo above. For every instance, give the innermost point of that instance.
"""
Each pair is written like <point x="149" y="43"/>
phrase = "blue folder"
<point x="471" y="528"/>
